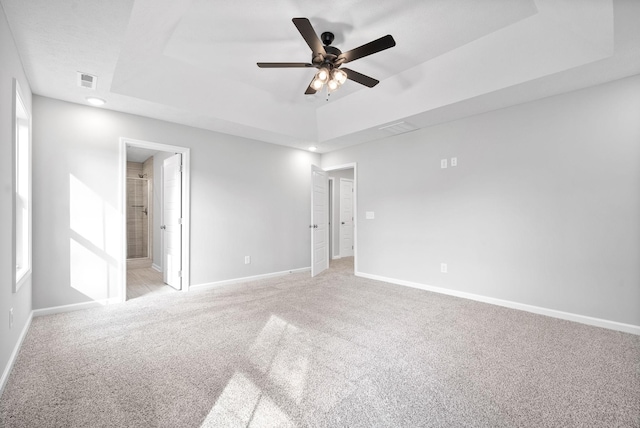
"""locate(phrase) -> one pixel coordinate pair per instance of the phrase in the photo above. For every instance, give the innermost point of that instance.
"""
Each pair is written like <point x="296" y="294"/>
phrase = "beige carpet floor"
<point x="334" y="351"/>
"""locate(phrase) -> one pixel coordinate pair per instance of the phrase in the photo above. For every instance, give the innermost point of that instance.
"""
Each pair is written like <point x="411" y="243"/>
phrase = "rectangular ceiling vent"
<point x="398" y="128"/>
<point x="88" y="81"/>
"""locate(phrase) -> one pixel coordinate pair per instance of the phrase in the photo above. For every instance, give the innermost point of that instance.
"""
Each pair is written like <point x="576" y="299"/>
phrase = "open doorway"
<point x="155" y="191"/>
<point x="343" y="215"/>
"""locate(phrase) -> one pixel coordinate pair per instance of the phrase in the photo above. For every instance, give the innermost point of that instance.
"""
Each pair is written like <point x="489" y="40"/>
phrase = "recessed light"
<point x="95" y="101"/>
<point x="313" y="148"/>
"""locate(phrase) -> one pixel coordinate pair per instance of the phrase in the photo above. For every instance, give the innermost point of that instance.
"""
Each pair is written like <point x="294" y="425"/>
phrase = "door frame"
<point x="186" y="212"/>
<point x="330" y="217"/>
<point x="354" y="166"/>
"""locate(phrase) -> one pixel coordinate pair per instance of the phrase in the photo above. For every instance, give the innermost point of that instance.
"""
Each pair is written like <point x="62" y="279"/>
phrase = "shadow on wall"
<point x="94" y="231"/>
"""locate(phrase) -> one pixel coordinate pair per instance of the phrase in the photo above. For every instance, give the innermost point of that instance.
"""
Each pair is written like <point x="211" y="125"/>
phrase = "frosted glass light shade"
<point x="339" y="76"/>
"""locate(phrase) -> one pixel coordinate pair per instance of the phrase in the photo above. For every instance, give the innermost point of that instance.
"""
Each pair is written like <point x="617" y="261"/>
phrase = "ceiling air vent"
<point x="398" y="128"/>
<point x="88" y="81"/>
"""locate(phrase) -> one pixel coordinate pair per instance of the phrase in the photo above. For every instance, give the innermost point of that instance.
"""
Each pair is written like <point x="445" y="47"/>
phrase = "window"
<point x="22" y="154"/>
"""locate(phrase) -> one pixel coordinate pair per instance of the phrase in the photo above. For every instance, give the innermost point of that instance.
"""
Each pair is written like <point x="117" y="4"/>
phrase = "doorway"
<point x="152" y="257"/>
<point x="331" y="221"/>
<point x="341" y="177"/>
<point x="139" y="208"/>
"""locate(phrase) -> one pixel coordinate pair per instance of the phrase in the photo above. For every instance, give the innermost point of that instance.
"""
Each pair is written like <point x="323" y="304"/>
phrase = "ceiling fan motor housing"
<point x="327" y="38"/>
<point x="329" y="59"/>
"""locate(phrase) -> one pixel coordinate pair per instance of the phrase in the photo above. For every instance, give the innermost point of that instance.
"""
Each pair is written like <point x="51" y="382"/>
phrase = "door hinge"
<point x="179" y="274"/>
<point x="180" y="220"/>
<point x="180" y="170"/>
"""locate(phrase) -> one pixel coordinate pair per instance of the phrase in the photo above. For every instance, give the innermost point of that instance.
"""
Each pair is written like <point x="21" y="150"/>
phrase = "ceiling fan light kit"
<point x="328" y="59"/>
<point x="333" y="79"/>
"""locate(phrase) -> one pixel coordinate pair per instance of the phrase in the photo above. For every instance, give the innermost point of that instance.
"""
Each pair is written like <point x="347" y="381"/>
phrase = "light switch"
<point x="443" y="163"/>
<point x="454" y="161"/>
<point x="370" y="215"/>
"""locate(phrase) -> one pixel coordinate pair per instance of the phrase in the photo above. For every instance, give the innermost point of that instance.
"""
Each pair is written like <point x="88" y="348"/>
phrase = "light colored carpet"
<point x="334" y="351"/>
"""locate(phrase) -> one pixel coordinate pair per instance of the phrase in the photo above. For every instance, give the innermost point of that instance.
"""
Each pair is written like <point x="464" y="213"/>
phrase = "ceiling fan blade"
<point x="310" y="90"/>
<point x="309" y="35"/>
<point x="378" y="45"/>
<point x="284" y="64"/>
<point x="360" y="78"/>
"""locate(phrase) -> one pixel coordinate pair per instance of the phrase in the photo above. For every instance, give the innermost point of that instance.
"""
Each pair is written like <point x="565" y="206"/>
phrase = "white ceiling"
<point x="194" y="61"/>
<point x="138" y="154"/>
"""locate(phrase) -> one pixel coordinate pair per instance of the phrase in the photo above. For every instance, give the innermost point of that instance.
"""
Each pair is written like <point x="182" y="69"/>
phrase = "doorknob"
<point x="163" y="227"/>
<point x="343" y="222"/>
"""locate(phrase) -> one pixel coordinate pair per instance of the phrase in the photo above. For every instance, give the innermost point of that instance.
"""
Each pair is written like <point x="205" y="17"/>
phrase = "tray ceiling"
<point x="194" y="61"/>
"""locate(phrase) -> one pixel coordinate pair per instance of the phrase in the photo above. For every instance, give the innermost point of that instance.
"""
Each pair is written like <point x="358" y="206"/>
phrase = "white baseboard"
<point x="14" y="353"/>
<point x="583" y="319"/>
<point x="74" y="307"/>
<point x="210" y="285"/>
<point x="156" y="267"/>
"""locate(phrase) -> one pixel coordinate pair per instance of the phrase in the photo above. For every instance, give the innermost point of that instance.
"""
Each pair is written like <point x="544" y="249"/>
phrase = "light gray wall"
<point x="335" y="220"/>
<point x="158" y="160"/>
<point x="247" y="198"/>
<point x="10" y="68"/>
<point x="542" y="209"/>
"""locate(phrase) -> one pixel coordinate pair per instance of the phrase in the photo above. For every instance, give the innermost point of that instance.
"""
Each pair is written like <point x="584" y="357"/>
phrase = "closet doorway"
<point x="343" y="214"/>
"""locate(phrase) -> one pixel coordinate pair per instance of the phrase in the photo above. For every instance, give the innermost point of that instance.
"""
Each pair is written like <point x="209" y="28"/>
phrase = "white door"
<point x="346" y="217"/>
<point x="172" y="219"/>
<point x="319" y="217"/>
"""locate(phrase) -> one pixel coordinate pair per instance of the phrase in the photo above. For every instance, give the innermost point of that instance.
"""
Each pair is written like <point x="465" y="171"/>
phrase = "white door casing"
<point x="319" y="224"/>
<point x="346" y="217"/>
<point x="185" y="209"/>
<point x="172" y="219"/>
<point x="331" y="219"/>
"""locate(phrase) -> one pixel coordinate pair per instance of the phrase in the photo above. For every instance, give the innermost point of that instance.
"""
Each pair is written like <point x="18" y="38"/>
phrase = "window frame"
<point x="22" y="192"/>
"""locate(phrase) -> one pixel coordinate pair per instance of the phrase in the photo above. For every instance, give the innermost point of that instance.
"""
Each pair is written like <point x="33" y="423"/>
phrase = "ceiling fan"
<point x="328" y="59"/>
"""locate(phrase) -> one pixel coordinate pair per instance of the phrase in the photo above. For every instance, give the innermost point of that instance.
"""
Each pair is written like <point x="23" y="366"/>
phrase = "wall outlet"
<point x="10" y="317"/>
<point x="443" y="163"/>
<point x="454" y="161"/>
<point x="443" y="267"/>
<point x="369" y="215"/>
<point x="247" y="260"/>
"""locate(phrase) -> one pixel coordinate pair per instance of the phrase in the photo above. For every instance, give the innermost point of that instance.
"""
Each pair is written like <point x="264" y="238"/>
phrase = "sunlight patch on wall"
<point x="95" y="242"/>
<point x="86" y="213"/>
<point x="88" y="273"/>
